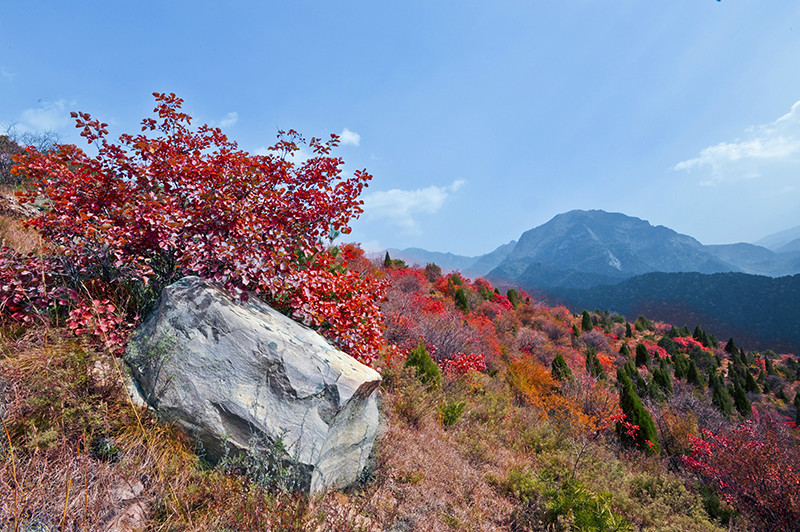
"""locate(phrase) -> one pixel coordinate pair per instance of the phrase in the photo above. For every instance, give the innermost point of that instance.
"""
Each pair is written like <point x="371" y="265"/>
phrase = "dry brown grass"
<point x="57" y="402"/>
<point x="427" y="477"/>
<point x="14" y="235"/>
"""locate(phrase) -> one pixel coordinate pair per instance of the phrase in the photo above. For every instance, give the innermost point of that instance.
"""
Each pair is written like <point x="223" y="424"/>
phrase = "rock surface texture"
<point x="253" y="385"/>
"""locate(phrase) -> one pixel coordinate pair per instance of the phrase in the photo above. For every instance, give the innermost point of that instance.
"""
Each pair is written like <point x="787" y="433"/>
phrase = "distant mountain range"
<point x="581" y="249"/>
<point x="448" y="262"/>
<point x="601" y="260"/>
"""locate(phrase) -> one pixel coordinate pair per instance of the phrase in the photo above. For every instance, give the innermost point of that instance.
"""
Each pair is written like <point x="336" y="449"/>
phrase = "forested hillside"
<point x="500" y="412"/>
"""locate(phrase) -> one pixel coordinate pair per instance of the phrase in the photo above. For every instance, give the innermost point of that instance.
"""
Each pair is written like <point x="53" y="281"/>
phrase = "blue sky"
<point x="479" y="120"/>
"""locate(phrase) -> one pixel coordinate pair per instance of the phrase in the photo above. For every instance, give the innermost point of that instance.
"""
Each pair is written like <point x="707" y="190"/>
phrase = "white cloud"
<point x="229" y="120"/>
<point x="401" y="207"/>
<point x="759" y="148"/>
<point x="349" y="137"/>
<point x="775" y="143"/>
<point x="5" y="74"/>
<point x="49" y="116"/>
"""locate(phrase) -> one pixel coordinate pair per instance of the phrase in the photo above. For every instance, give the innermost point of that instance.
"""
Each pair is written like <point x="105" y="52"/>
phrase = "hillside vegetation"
<point x="500" y="413"/>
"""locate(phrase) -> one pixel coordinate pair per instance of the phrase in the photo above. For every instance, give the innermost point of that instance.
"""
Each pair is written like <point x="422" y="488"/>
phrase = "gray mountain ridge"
<point x="582" y="249"/>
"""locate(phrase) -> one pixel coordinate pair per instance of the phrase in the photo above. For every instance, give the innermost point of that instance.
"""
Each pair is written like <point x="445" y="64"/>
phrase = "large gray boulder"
<point x="255" y="387"/>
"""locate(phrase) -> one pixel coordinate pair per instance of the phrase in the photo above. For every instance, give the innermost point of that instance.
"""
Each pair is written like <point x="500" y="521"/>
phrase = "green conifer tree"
<point x="661" y="377"/>
<point x="637" y="414"/>
<point x="693" y="376"/>
<point x="713" y="341"/>
<point x="750" y="384"/>
<point x="769" y="366"/>
<point x="593" y="366"/>
<point x="642" y="356"/>
<point x="668" y="345"/>
<point x="432" y="272"/>
<point x="387" y="261"/>
<point x="461" y="300"/>
<point x="625" y="351"/>
<point x="681" y="366"/>
<point x="513" y="297"/>
<point x="797" y="407"/>
<point x="560" y="369"/>
<point x="643" y="324"/>
<point x="586" y="321"/>
<point x="701" y="336"/>
<point x="720" y="396"/>
<point x="628" y="331"/>
<point x="730" y="347"/>
<point x="740" y="399"/>
<point x="636" y="378"/>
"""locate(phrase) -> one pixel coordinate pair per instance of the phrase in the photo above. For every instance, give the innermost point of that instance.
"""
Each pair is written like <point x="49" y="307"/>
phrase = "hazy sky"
<point x="479" y="120"/>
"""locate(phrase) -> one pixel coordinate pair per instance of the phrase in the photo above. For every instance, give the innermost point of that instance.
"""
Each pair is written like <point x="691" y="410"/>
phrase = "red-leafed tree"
<point x="756" y="466"/>
<point x="176" y="200"/>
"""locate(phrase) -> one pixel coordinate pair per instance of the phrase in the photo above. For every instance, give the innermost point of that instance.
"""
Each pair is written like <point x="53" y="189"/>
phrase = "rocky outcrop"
<point x="251" y="384"/>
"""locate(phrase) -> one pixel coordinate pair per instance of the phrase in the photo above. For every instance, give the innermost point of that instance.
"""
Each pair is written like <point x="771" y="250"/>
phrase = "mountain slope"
<point x="758" y="260"/>
<point x="449" y="262"/>
<point x="603" y="246"/>
<point x="760" y="310"/>
<point x="779" y="239"/>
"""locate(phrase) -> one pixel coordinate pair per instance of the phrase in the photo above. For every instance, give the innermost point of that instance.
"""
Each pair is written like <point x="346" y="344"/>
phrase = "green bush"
<point x="451" y="412"/>
<point x="427" y="370"/>
<point x="546" y="503"/>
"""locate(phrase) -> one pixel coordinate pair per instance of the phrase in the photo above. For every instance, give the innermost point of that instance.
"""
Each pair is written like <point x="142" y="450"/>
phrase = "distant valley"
<point x="601" y="260"/>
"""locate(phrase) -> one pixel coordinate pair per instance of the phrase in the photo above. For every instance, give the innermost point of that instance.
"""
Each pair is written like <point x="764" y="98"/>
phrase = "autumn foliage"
<point x="755" y="465"/>
<point x="174" y="201"/>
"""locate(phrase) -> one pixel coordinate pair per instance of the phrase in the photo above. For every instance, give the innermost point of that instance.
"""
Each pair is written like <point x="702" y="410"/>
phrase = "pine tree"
<point x="513" y="297"/>
<point x="628" y="331"/>
<point x="701" y="336"/>
<point x="642" y="356"/>
<point x="730" y="347"/>
<point x="797" y="407"/>
<point x="750" y="384"/>
<point x="586" y="321"/>
<point x="768" y="364"/>
<point x="461" y="300"/>
<point x="713" y="341"/>
<point x="662" y="378"/>
<point x="593" y="365"/>
<point x="625" y="351"/>
<point x="432" y="272"/>
<point x="387" y="261"/>
<point x="693" y="376"/>
<point x="720" y="396"/>
<point x="740" y="399"/>
<point x="560" y="369"/>
<point x="668" y="345"/>
<point x="643" y="324"/>
<point x="681" y="366"/>
<point x="636" y="378"/>
<point x="636" y="414"/>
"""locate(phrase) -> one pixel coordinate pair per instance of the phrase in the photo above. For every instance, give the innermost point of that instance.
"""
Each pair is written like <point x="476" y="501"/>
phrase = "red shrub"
<point x="175" y="201"/>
